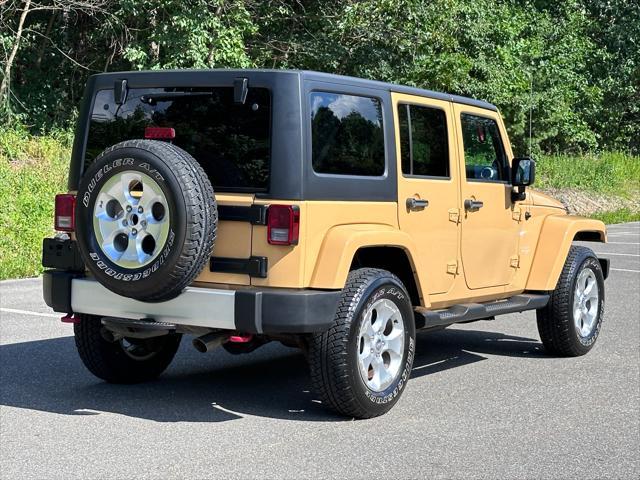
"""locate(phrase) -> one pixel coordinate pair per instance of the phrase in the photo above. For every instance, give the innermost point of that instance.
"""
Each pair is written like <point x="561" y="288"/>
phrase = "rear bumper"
<point x="250" y="310"/>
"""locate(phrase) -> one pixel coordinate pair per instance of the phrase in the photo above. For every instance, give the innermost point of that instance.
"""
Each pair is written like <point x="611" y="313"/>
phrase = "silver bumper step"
<point x="198" y="307"/>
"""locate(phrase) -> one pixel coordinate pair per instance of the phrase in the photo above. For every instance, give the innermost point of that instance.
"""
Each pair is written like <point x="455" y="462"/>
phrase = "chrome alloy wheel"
<point x="131" y="219"/>
<point x="585" y="302"/>
<point x="381" y="345"/>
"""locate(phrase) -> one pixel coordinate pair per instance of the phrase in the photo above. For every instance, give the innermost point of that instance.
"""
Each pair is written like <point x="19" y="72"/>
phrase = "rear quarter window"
<point x="347" y="136"/>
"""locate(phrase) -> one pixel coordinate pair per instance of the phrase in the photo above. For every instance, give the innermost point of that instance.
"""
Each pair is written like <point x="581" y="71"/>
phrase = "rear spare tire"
<point x="146" y="219"/>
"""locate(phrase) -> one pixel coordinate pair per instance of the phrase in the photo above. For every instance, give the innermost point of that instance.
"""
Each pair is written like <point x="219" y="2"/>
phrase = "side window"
<point x="484" y="155"/>
<point x="346" y="134"/>
<point x="424" y="145"/>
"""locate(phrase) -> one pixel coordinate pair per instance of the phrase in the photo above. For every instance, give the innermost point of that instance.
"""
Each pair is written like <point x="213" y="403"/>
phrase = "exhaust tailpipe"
<point x="208" y="342"/>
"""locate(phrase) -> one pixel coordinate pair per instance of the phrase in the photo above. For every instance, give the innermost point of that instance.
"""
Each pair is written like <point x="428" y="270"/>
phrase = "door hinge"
<point x="454" y="215"/>
<point x="452" y="268"/>
<point x="515" y="261"/>
<point x="516" y="214"/>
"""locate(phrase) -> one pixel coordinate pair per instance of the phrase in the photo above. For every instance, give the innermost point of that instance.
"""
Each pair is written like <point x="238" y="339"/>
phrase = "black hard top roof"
<point x="327" y="78"/>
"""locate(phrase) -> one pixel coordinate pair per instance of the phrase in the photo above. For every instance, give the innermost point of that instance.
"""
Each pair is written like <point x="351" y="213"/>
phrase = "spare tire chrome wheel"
<point x="146" y="219"/>
<point x="131" y="219"/>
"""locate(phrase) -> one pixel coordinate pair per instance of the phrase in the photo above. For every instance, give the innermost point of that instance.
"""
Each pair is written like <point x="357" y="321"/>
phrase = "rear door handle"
<point x="473" y="205"/>
<point x="416" y="204"/>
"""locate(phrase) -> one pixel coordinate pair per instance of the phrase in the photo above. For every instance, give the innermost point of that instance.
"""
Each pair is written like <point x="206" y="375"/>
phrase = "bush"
<point x="611" y="173"/>
<point x="32" y="171"/>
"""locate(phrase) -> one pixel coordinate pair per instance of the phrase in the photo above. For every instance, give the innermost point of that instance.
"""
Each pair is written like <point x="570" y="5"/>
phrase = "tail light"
<point x="65" y="212"/>
<point x="283" y="224"/>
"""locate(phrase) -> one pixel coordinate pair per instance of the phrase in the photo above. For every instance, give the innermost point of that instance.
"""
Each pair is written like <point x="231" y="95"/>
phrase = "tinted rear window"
<point x="346" y="134"/>
<point x="231" y="141"/>
<point x="424" y="143"/>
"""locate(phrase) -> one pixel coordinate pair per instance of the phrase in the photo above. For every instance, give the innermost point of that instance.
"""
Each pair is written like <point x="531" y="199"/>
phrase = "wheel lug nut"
<point x="128" y="208"/>
<point x="134" y="231"/>
<point x="124" y="223"/>
<point x="140" y="210"/>
<point x="372" y="350"/>
<point x="143" y="223"/>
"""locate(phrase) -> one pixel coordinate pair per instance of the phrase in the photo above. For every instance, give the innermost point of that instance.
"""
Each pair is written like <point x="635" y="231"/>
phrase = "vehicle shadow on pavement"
<point x="273" y="382"/>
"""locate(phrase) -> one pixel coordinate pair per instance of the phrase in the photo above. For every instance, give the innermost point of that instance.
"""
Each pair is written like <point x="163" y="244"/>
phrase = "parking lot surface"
<point x="484" y="402"/>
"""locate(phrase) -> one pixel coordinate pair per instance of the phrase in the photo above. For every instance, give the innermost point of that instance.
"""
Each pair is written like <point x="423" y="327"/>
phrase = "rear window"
<point x="346" y="134"/>
<point x="231" y="141"/>
<point x="424" y="145"/>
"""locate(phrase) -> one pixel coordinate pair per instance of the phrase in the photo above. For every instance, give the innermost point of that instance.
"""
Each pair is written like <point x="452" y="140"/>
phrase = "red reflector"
<point x="241" y="338"/>
<point x="65" y="212"/>
<point x="283" y="224"/>
<point x="159" y="132"/>
<point x="70" y="318"/>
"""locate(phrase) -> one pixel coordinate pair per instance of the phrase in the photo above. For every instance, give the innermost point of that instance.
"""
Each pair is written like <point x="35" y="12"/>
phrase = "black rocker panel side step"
<point x="466" y="312"/>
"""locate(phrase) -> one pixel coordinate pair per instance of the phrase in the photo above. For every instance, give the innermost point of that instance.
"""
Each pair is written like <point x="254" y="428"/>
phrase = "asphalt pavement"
<point x="484" y="401"/>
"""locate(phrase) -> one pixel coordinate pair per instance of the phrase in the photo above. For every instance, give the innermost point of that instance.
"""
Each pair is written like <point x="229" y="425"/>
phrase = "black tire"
<point x="192" y="220"/>
<point x="333" y="361"/>
<point x="109" y="361"/>
<point x="556" y="325"/>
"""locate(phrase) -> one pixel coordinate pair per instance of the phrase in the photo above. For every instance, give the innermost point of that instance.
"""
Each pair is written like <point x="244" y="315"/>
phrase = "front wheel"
<point x="570" y="323"/>
<point x="360" y="366"/>
<point x="126" y="360"/>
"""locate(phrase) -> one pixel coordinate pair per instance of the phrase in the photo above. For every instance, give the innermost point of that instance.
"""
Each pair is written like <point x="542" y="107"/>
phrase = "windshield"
<point x="231" y="141"/>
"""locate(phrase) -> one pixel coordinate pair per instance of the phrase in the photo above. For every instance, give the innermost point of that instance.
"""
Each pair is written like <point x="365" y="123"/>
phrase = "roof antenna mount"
<point x="530" y="111"/>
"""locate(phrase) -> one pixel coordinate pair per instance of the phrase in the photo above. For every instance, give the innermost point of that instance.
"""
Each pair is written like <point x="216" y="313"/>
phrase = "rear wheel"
<point x="360" y="366"/>
<point x="125" y="360"/>
<point x="570" y="323"/>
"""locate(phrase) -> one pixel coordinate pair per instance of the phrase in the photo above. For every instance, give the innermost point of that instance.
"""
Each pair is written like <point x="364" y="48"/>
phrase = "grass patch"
<point x="32" y="171"/>
<point x="611" y="173"/>
<point x="619" y="216"/>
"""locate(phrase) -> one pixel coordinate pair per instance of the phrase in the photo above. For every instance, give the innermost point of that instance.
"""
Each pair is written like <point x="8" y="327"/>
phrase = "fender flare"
<point x="342" y="242"/>
<point x="554" y="242"/>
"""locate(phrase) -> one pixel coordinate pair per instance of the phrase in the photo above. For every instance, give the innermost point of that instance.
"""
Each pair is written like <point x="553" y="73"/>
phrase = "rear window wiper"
<point x="153" y="98"/>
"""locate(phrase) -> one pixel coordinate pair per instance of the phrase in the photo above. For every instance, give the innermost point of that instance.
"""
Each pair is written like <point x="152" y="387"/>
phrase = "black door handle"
<point x="415" y="204"/>
<point x="473" y="205"/>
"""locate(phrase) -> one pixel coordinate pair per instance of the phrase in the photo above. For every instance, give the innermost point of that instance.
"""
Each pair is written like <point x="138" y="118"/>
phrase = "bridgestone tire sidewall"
<point x="129" y="282"/>
<point x="382" y="288"/>
<point x="594" y="265"/>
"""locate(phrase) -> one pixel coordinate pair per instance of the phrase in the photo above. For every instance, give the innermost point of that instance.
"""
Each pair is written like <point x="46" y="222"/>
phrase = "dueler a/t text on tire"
<point x="146" y="219"/>
<point x="361" y="365"/>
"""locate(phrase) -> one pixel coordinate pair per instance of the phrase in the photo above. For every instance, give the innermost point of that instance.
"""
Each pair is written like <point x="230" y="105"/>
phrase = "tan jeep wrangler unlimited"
<point x="335" y="214"/>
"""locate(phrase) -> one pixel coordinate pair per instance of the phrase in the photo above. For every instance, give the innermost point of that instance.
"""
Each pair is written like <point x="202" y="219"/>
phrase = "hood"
<point x="542" y="200"/>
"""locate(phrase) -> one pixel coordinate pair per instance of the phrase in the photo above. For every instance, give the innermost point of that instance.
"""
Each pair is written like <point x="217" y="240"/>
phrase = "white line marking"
<point x="232" y="412"/>
<point x="623" y="243"/>
<point x="625" y="270"/>
<point x="27" y="312"/>
<point x="432" y="364"/>
<point x="621" y="234"/>
<point x="618" y="254"/>
<point x="18" y="280"/>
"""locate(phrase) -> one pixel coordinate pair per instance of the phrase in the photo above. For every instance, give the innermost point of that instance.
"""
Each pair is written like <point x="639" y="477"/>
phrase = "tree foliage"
<point x="576" y="63"/>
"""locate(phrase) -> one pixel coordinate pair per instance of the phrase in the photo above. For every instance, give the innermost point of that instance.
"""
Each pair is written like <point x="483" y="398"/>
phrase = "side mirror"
<point x="523" y="172"/>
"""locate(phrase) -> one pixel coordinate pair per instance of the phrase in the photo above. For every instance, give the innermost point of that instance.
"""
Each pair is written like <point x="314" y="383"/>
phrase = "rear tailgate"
<point x="233" y="243"/>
